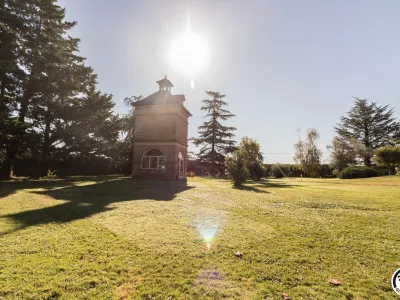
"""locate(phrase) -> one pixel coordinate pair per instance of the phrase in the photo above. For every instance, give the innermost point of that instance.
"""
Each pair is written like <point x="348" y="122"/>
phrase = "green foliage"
<point x="214" y="138"/>
<point x="279" y="171"/>
<point x="50" y="107"/>
<point x="389" y="157"/>
<point x="267" y="170"/>
<point x="236" y="168"/>
<point x="307" y="154"/>
<point x="326" y="171"/>
<point x="250" y="149"/>
<point x="383" y="171"/>
<point x="358" y="172"/>
<point x="251" y="152"/>
<point x="373" y="126"/>
<point x="295" y="170"/>
<point x="256" y="170"/>
<point x="343" y="153"/>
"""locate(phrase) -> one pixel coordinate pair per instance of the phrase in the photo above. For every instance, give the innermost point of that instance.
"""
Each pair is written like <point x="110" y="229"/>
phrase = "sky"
<point x="283" y="65"/>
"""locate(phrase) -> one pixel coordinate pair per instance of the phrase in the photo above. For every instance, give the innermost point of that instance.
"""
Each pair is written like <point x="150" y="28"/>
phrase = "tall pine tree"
<point x="214" y="138"/>
<point x="11" y="76"/>
<point x="50" y="106"/>
<point x="371" y="125"/>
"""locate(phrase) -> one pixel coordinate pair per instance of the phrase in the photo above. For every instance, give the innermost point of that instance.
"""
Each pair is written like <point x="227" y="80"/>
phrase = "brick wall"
<point x="164" y="128"/>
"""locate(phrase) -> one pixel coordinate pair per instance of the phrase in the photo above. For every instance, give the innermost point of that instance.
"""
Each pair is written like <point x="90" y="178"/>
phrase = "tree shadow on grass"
<point x="12" y="186"/>
<point x="251" y="189"/>
<point x="259" y="186"/>
<point x="266" y="183"/>
<point x="84" y="201"/>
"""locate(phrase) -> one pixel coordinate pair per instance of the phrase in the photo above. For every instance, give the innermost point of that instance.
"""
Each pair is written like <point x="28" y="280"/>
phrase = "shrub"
<point x="256" y="170"/>
<point x="383" y="171"/>
<point x="357" y="172"/>
<point x="279" y="171"/>
<point x="389" y="157"/>
<point x="335" y="173"/>
<point x="294" y="170"/>
<point x="236" y="168"/>
<point x="267" y="170"/>
<point x="326" y="171"/>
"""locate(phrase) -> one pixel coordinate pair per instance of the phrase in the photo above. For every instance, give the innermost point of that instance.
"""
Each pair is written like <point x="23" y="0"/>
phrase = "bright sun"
<point x="188" y="53"/>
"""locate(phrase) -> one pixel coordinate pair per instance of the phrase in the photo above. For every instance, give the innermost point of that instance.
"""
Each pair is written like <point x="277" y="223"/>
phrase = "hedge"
<point x="358" y="172"/>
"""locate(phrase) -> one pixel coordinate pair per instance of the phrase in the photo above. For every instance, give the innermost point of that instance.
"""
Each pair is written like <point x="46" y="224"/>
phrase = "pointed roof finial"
<point x="165" y="84"/>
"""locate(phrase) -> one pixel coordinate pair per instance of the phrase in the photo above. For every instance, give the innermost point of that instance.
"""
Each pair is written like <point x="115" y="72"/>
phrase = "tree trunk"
<point x="46" y="146"/>
<point x="5" y="169"/>
<point x="367" y="144"/>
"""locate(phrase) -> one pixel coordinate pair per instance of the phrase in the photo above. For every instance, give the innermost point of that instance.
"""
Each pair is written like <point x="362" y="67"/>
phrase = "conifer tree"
<point x="10" y="82"/>
<point x="50" y="106"/>
<point x="214" y="138"/>
<point x="372" y="125"/>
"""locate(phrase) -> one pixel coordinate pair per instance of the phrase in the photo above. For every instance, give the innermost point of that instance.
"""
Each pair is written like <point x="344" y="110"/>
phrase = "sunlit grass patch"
<point x="111" y="237"/>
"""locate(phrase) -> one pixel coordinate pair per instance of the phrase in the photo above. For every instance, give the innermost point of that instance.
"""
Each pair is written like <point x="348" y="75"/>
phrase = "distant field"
<point x="114" y="238"/>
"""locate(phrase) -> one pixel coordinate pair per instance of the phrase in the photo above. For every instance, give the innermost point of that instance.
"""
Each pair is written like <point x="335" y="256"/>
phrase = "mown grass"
<point x="114" y="238"/>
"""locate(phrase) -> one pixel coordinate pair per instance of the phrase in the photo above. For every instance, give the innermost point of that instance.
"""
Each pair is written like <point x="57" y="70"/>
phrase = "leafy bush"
<point x="236" y="168"/>
<point x="256" y="170"/>
<point x="388" y="157"/>
<point x="383" y="171"/>
<point x="294" y="170"/>
<point x="267" y="170"/>
<point x="326" y="171"/>
<point x="68" y="166"/>
<point x="279" y="171"/>
<point x="357" y="172"/>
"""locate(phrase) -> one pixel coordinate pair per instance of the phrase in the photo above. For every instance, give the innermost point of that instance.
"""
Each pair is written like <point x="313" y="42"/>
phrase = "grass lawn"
<point x="114" y="238"/>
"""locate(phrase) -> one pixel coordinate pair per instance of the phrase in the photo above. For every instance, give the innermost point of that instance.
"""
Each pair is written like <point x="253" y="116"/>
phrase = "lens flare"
<point x="283" y="173"/>
<point x="207" y="232"/>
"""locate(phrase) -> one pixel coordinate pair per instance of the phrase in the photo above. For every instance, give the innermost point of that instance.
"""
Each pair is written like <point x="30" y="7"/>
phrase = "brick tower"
<point x="161" y="134"/>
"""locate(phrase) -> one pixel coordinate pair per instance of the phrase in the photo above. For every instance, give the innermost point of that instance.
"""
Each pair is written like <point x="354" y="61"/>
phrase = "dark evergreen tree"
<point x="129" y="120"/>
<point x="11" y="76"/>
<point x="125" y="144"/>
<point x="50" y="107"/>
<point x="92" y="129"/>
<point x="214" y="138"/>
<point x="372" y="125"/>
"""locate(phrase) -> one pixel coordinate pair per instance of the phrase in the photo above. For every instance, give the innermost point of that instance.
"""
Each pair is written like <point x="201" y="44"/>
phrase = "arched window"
<point x="153" y="159"/>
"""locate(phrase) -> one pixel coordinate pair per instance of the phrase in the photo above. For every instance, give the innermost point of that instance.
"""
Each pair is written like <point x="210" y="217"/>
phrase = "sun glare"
<point x="188" y="54"/>
<point x="208" y="230"/>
